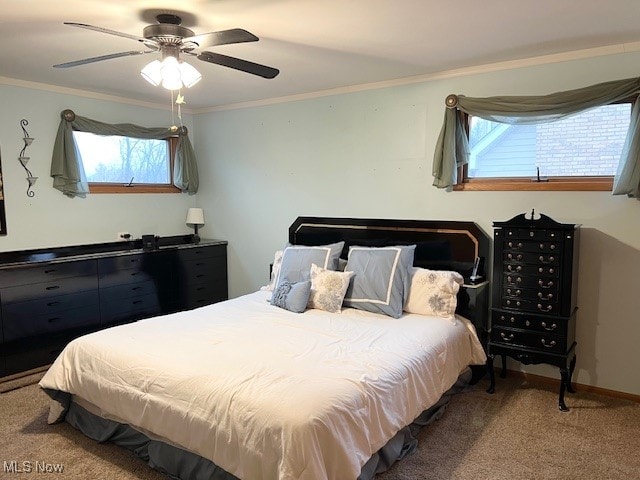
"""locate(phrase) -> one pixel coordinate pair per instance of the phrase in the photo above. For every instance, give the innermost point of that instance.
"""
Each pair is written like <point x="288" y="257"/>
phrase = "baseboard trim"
<point x="579" y="386"/>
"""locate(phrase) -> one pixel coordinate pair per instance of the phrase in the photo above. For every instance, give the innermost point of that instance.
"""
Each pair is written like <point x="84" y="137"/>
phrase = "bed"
<point x="254" y="390"/>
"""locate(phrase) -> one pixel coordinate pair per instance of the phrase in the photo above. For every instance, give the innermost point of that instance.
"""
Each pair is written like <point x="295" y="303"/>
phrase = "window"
<point x="580" y="152"/>
<point x="116" y="164"/>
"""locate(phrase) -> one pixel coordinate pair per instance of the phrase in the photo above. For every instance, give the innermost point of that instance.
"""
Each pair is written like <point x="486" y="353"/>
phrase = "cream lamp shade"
<point x="195" y="217"/>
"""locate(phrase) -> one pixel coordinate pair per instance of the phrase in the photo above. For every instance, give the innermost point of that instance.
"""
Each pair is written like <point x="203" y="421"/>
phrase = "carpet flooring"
<point x="516" y="433"/>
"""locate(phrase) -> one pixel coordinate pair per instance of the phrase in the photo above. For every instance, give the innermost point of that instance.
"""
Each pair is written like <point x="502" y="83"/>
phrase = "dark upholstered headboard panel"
<point x="440" y="245"/>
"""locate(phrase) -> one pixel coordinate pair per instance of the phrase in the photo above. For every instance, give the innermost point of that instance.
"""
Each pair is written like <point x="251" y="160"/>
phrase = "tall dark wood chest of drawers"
<point x="533" y="314"/>
<point x="51" y="296"/>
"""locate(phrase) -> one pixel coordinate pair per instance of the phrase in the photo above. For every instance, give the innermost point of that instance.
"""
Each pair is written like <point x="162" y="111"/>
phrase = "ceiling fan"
<point x="171" y="39"/>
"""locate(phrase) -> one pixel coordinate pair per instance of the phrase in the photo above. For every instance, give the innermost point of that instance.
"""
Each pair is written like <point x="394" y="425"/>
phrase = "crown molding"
<point x="461" y="72"/>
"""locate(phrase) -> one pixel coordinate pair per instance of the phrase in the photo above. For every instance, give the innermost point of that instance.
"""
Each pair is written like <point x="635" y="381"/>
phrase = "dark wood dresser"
<point x="533" y="314"/>
<point x="50" y="296"/>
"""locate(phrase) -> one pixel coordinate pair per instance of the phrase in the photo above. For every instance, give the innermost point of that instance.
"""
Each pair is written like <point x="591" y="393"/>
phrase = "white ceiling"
<point x="316" y="44"/>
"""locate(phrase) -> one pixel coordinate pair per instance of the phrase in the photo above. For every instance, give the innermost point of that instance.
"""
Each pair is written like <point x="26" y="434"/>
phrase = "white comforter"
<point x="265" y="393"/>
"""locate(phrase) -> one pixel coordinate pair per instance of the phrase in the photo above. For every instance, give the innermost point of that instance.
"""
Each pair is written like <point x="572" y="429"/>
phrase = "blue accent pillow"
<point x="297" y="260"/>
<point x="381" y="280"/>
<point x="292" y="296"/>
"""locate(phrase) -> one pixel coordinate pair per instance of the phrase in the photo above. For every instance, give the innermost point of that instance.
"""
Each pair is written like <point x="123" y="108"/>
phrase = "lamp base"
<point x="195" y="238"/>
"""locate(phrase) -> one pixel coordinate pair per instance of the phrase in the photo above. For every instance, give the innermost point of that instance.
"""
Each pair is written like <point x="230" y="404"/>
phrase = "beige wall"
<point x="369" y="154"/>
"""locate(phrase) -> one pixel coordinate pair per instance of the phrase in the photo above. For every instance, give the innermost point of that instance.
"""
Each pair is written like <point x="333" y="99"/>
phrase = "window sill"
<point x="136" y="188"/>
<point x="596" y="184"/>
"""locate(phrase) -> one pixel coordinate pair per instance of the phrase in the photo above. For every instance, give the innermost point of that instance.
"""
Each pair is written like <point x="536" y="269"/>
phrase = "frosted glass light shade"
<point x="189" y="75"/>
<point x="195" y="216"/>
<point x="151" y="73"/>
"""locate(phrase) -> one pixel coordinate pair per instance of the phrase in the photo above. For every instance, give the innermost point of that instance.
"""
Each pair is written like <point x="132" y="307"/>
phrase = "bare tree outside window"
<point x="115" y="159"/>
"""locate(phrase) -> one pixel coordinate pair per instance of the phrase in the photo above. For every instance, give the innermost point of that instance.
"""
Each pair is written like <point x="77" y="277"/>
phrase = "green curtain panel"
<point x="452" y="149"/>
<point x="66" y="164"/>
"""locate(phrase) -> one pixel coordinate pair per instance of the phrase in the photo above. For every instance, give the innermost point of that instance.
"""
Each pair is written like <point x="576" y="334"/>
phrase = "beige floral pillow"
<point x="328" y="288"/>
<point x="433" y="292"/>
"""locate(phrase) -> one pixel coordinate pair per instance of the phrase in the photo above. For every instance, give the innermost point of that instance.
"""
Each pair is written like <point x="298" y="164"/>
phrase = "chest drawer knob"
<point x="551" y="344"/>
<point x="527" y="323"/>
<point x="552" y="327"/>
<point x="512" y="319"/>
<point x="543" y="308"/>
<point x="507" y="338"/>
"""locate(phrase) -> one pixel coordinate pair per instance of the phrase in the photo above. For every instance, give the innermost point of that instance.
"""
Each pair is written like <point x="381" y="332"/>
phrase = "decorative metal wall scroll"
<point x="24" y="159"/>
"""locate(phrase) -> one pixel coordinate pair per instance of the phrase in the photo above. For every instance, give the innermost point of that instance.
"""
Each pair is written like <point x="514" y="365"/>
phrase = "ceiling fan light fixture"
<point x="171" y="73"/>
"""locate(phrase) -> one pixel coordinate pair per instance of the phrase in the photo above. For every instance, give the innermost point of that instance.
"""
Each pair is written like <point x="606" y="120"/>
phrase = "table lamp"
<point x="195" y="218"/>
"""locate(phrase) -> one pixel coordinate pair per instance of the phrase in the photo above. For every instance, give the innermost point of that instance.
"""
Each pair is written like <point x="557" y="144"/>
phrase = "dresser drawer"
<point x="130" y="290"/>
<point x="17" y="328"/>
<point x="195" y="253"/>
<point x="50" y="305"/>
<point x="531" y="234"/>
<point x="540" y="282"/>
<point x="130" y="309"/>
<point x="121" y="262"/>
<point x="204" y="269"/>
<point x="206" y="294"/>
<point x="536" y="258"/>
<point x="12" y="277"/>
<point x="532" y="305"/>
<point x="539" y="323"/>
<point x="532" y="269"/>
<point x="52" y="288"/>
<point x="514" y="245"/>
<point x="537" y="340"/>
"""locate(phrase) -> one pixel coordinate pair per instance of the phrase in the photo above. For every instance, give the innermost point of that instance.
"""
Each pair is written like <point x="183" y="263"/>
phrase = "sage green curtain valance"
<point x="66" y="163"/>
<point x="452" y="148"/>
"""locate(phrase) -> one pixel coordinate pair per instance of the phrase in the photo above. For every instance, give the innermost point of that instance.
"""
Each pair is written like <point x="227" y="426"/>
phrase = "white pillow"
<point x="433" y="292"/>
<point x="328" y="288"/>
<point x="275" y="270"/>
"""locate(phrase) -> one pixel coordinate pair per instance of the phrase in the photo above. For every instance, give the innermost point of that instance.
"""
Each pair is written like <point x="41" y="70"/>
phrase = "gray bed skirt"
<point x="184" y="465"/>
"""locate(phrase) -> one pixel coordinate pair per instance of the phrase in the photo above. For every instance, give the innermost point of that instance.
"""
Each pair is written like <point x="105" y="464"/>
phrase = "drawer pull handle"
<point x="135" y="288"/>
<point x="545" y="309"/>
<point x="53" y="287"/>
<point x="552" y="327"/>
<point x="549" y="260"/>
<point x="505" y="337"/>
<point x="52" y="304"/>
<point x="53" y="320"/>
<point x="548" y="296"/>
<point x="200" y="275"/>
<point x="51" y="270"/>
<point x="199" y="289"/>
<point x="133" y="274"/>
<point x="551" y="344"/>
<point x="136" y="302"/>
<point x="549" y="284"/>
<point x="199" y="264"/>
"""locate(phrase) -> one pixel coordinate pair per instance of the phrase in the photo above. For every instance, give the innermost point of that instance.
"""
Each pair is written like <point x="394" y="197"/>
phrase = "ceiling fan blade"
<point x="84" y="61"/>
<point x="146" y="41"/>
<point x="223" y="37"/>
<point x="239" y="64"/>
